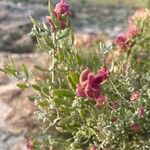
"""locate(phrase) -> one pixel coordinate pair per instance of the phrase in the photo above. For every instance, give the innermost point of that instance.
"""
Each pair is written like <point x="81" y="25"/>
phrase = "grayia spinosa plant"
<point x="88" y="102"/>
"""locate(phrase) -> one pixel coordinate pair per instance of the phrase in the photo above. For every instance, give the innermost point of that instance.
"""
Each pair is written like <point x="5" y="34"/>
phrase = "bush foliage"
<point x="100" y="101"/>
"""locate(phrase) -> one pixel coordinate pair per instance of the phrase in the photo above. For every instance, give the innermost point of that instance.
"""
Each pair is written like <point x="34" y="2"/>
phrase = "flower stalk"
<point x="53" y="57"/>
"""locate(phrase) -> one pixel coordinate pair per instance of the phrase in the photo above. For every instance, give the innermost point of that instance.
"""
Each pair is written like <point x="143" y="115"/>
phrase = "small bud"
<point x="29" y="145"/>
<point x="114" y="119"/>
<point x="135" y="96"/>
<point x="101" y="101"/>
<point x="114" y="105"/>
<point x="141" y="111"/>
<point x="136" y="127"/>
<point x="122" y="41"/>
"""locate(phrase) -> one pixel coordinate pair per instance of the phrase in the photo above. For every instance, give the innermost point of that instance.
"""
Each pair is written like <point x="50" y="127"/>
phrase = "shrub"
<point x="90" y="103"/>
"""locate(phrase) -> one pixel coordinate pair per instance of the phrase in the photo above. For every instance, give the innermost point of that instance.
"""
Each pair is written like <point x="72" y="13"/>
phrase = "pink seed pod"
<point x="113" y="119"/>
<point x="141" y="111"/>
<point x="114" y="105"/>
<point x="136" y="127"/>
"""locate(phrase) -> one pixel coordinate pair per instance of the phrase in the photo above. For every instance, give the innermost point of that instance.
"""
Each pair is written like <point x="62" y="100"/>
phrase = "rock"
<point x="15" y="117"/>
<point x="16" y="39"/>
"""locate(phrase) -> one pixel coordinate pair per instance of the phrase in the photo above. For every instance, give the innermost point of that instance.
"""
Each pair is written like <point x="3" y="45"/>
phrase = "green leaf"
<point x="46" y="90"/>
<point x="74" y="77"/>
<point x="71" y="83"/>
<point x="11" y="71"/>
<point x="65" y="121"/>
<point x="60" y="55"/>
<point x="33" y="98"/>
<point x="50" y="7"/>
<point x="64" y="33"/>
<point x="61" y="101"/>
<point x="49" y="42"/>
<point x="36" y="87"/>
<point x="23" y="85"/>
<point x="81" y="134"/>
<point x="35" y="22"/>
<point x="90" y="132"/>
<point x="43" y="103"/>
<point x="63" y="93"/>
<point x="42" y="45"/>
<point x="25" y="69"/>
<point x="78" y="59"/>
<point x="41" y="69"/>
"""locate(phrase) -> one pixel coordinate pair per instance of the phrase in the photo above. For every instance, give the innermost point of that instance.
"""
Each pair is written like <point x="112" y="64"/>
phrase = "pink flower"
<point x="136" y="127"/>
<point x="93" y="148"/>
<point x="135" y="96"/>
<point x="50" y="22"/>
<point x="89" y="85"/>
<point x="29" y="145"/>
<point x="132" y="31"/>
<point x="141" y="111"/>
<point x="80" y="90"/>
<point x="62" y="8"/>
<point x="122" y="40"/>
<point x="63" y="24"/>
<point x="84" y="75"/>
<point x="92" y="92"/>
<point x="101" y="75"/>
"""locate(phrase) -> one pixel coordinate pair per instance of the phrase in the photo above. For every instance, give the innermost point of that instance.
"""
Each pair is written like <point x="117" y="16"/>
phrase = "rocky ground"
<point x="87" y="18"/>
<point x="16" y="110"/>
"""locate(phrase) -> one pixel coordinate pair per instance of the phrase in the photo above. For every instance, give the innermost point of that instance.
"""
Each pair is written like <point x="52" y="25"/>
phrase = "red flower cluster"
<point x="123" y="39"/>
<point x="89" y="85"/>
<point x="61" y="10"/>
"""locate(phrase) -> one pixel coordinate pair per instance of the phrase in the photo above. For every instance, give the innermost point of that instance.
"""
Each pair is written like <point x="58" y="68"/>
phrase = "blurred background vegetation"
<point x="107" y="17"/>
<point x="140" y="3"/>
